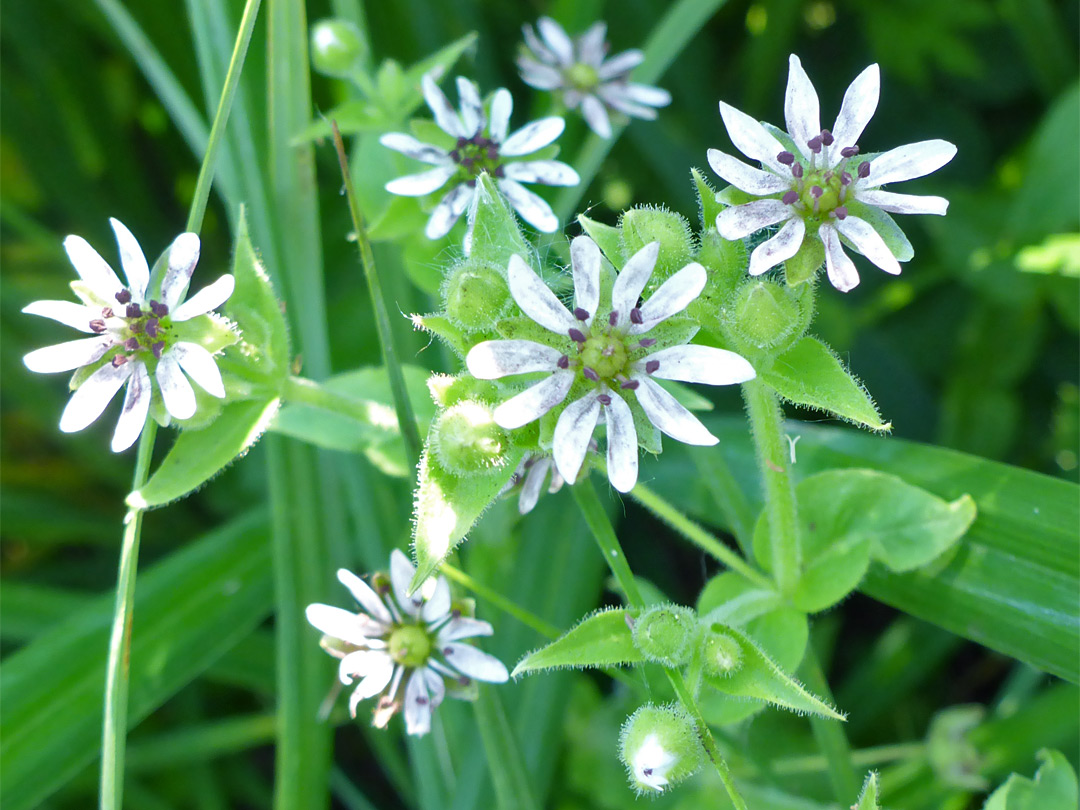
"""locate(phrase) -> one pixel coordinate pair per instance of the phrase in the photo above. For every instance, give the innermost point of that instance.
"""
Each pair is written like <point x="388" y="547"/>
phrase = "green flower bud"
<point x="337" y="48"/>
<point x="646" y="224"/>
<point x="721" y="654"/>
<point x="659" y="746"/>
<point x="467" y="441"/>
<point x="765" y="315"/>
<point x="475" y="294"/>
<point x="663" y="634"/>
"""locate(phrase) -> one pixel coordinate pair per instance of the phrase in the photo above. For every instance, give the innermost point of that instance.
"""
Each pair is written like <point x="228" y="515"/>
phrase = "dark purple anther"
<point x="455" y="156"/>
<point x="123" y="296"/>
<point x="421" y="700"/>
<point x="797" y="171"/>
<point x="462" y="142"/>
<point x="97" y="325"/>
<point x="864" y="169"/>
<point x="786" y="158"/>
<point x="576" y="335"/>
<point x="107" y="312"/>
<point x="635" y="316"/>
<point x="133" y="311"/>
<point x="827" y="137"/>
<point x="604" y="399"/>
<point x="563" y="362"/>
<point x="790" y="198"/>
<point x="630" y="385"/>
<point x="590" y="374"/>
<point x="613" y="318"/>
<point x="448" y="651"/>
<point x="152" y="329"/>
<point x="492" y="153"/>
<point x="464" y="680"/>
<point x="131" y="344"/>
<point x="581" y="314"/>
<point x="845" y="178"/>
<point x="849" y="151"/>
<point x="814" y="144"/>
<point x="652" y="366"/>
<point x="157" y="348"/>
<point x="647" y="342"/>
<point x="500" y="172"/>
<point x="468" y="162"/>
<point x="840" y="211"/>
<point x="158" y="308"/>
<point x="816" y="191"/>
<point x="118" y="360"/>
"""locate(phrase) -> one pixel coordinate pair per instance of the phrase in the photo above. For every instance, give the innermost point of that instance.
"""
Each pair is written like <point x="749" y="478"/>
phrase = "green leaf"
<point x="190" y="609"/>
<point x="600" y="640"/>
<point x="495" y="232"/>
<point x="868" y="798"/>
<point x="607" y="238"/>
<point x="441" y="61"/>
<point x="759" y="677"/>
<point x="708" y="206"/>
<point x="810" y="374"/>
<point x="198" y="455"/>
<point x="1054" y="787"/>
<point x="444" y="329"/>
<point x="355" y="115"/>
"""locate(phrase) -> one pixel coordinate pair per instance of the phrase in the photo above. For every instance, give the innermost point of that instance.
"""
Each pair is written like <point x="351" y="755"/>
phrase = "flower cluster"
<point x="579" y="71"/>
<point x="408" y="648"/>
<point x="136" y="337"/>
<point x="476" y="142"/>
<point x="818" y="184"/>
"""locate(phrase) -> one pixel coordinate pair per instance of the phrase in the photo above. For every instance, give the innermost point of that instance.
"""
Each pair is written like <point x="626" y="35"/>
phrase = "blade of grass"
<point x="513" y="790"/>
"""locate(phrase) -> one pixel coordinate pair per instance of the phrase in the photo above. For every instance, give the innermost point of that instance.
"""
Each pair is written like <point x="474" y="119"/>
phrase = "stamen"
<point x="131" y="344"/>
<point x="448" y="651"/>
<point x="840" y="212"/>
<point x="797" y="171"/>
<point x="790" y="198"/>
<point x="652" y="366"/>
<point x="590" y="374"/>
<point x="581" y="314"/>
<point x="133" y="311"/>
<point x="827" y="137"/>
<point x="864" y="169"/>
<point x="106" y="312"/>
<point x="124" y="296"/>
<point x="563" y="362"/>
<point x="849" y="151"/>
<point x="97" y="325"/>
<point x="421" y="700"/>
<point x="576" y="335"/>
<point x="604" y="400"/>
<point x="613" y="318"/>
<point x="465" y="680"/>
<point x="500" y="172"/>
<point x="787" y="158"/>
<point x="635" y="316"/>
<point x="647" y="342"/>
<point x="152" y="327"/>
<point x="845" y="178"/>
<point x="814" y="144"/>
<point x="816" y="191"/>
<point x="159" y="309"/>
<point x="630" y="385"/>
<point x="157" y="348"/>
<point x="118" y="360"/>
<point x="462" y="142"/>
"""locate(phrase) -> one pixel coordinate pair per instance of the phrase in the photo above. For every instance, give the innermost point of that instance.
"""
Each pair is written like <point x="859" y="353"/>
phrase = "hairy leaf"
<point x="603" y="639"/>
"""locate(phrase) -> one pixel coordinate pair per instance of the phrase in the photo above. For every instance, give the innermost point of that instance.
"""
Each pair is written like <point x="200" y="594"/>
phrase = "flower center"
<point x="476" y="155"/>
<point x="605" y="354"/>
<point x="410" y="645"/>
<point x="582" y="76"/>
<point x="135" y="329"/>
<point x="819" y="193"/>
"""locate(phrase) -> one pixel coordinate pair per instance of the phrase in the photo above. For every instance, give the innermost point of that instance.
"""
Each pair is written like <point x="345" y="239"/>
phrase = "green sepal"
<point x="895" y="239"/>
<point x="495" y="232"/>
<point x="1054" y="787"/>
<point x="803" y="266"/>
<point x="601" y="640"/>
<point x="810" y="374"/>
<point x="521" y="327"/>
<point x="607" y="238"/>
<point x="709" y="207"/>
<point x="444" y="329"/>
<point x="868" y="797"/>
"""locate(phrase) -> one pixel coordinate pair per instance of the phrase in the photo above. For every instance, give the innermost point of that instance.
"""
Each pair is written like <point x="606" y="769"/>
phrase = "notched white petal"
<point x="908" y="162"/>
<point x="448" y="211"/>
<point x="176" y="391"/>
<point x="620" y="64"/>
<point x="536" y="299"/>
<point x="869" y="243"/>
<point x="672" y="297"/>
<point x="493" y="359"/>
<point x="502" y="104"/>
<point x="531" y="207"/>
<point x="631" y="280"/>
<point x="841" y="270"/>
<point x="68" y="356"/>
<point x="585" y="262"/>
<point x="802" y="111"/>
<point x="77" y="316"/>
<point x="438" y="604"/>
<point x="534" y="402"/>
<point x="573" y="432"/>
<point x="622" y="449"/>
<point x="751" y="138"/>
<point x="900" y="203"/>
<point x="417" y="705"/>
<point x="92" y="269"/>
<point x="779" y="248"/>
<point x="337" y="623"/>
<point x="445" y="115"/>
<point x="206" y="300"/>
<point x="740" y="221"/>
<point x="746" y="178"/>
<point x="860" y="104"/>
<point x="93" y="396"/>
<point x="132" y="260"/>
<point x="423" y="183"/>
<point x="401" y="574"/>
<point x="463" y="627"/>
<point x="199" y="364"/>
<point x="470" y="661"/>
<point x="596" y="116"/>
<point x="668" y="415"/>
<point x="411" y="147"/>
<point x="183" y="256"/>
<point x="135" y="410"/>
<point x="548" y="172"/>
<point x="533" y="137"/>
<point x="700" y="364"/>
<point x="365" y="596"/>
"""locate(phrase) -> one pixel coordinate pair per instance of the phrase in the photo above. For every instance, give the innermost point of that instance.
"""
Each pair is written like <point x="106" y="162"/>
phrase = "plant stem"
<point x="406" y="419"/>
<point x="696" y="534"/>
<point x="727" y="493"/>
<point x="766" y="423"/>
<point x="830" y="735"/>
<point x="118" y="669"/>
<point x="499" y="601"/>
<point x="608" y="541"/>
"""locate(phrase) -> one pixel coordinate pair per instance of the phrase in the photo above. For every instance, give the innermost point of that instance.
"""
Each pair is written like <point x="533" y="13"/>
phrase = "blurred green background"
<point x="974" y="347"/>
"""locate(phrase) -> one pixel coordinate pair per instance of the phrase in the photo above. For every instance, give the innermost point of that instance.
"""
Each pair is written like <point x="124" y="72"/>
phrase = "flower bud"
<point x="476" y="295"/>
<point x="467" y="441"/>
<point x="659" y="746"/>
<point x="337" y="48"/>
<point x="663" y="633"/>
<point x="721" y="654"/>
<point x="646" y="224"/>
<point x="765" y="315"/>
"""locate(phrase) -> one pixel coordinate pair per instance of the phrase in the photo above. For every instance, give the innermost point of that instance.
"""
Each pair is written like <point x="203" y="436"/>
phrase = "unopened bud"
<point x="764" y="315"/>
<point x="476" y="295"/>
<point x="659" y="746"/>
<point x="467" y="441"/>
<point x="646" y="224"/>
<point x="663" y="634"/>
<point x="721" y="654"/>
<point x="337" y="48"/>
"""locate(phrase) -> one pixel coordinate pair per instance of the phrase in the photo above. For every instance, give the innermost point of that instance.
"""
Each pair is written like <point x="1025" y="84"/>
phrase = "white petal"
<point x="752" y="139"/>
<point x="462" y="627"/>
<point x="631" y="281"/>
<point x="91" y="398"/>
<point x="622" y="452"/>
<point x="860" y="103"/>
<point x="536" y="299"/>
<point x="67" y="356"/>
<point x="77" y="316"/>
<point x="401" y="574"/>
<point x="899" y="203"/>
<point x="448" y="211"/>
<point x="779" y="248"/>
<point x="132" y="260"/>
<point x="207" y="299"/>
<point x="596" y="116"/>
<point x="620" y="64"/>
<point x="365" y="596"/>
<point x="502" y="104"/>
<point x="417" y="705"/>
<point x="590" y="44"/>
<point x="438" y="604"/>
<point x="534" y="482"/>
<point x="556" y="40"/>
<point x="548" y="172"/>
<point x="442" y="109"/>
<point x="199" y="364"/>
<point x="374" y="667"/>
<point x="532" y="137"/>
<point x="379" y="673"/>
<point x="869" y="243"/>
<point x="531" y="207"/>
<point x="338" y="623"/>
<point x="176" y="391"/>
<point x="646" y="94"/>
<point x="468" y="660"/>
<point x="540" y="76"/>
<point x="619" y="97"/>
<point x="436" y="686"/>
<point x="417" y="150"/>
<point x="493" y="359"/>
<point x="909" y="162"/>
<point x="802" y="110"/>
<point x="136" y="407"/>
<point x="746" y="178"/>
<point x="472" y="109"/>
<point x="700" y="364"/>
<point x="534" y="44"/>
<point x="183" y="256"/>
<point x="842" y="273"/>
<point x="672" y="297"/>
<point x="573" y="432"/>
<point x="743" y="220"/>
<point x="666" y="413"/>
<point x="92" y="269"/>
<point x="534" y="402"/>
<point x="585" y="261"/>
<point x="418" y="185"/>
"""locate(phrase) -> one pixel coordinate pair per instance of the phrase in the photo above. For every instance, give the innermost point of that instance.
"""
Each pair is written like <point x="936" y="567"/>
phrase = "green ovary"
<point x="606" y="355"/>
<point x="582" y="77"/>
<point x="829" y="182"/>
<point x="410" y="646"/>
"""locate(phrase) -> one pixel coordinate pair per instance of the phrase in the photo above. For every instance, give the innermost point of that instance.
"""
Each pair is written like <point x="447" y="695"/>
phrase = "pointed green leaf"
<point x="443" y="328"/>
<point x="495" y="232"/>
<point x="868" y="798"/>
<point x="356" y="115"/>
<point x="607" y="238"/>
<point x="1054" y="787"/>
<point x="810" y="374"/>
<point x="441" y="61"/>
<point x="600" y="640"/>
<point x="708" y="206"/>
<point x="760" y="677"/>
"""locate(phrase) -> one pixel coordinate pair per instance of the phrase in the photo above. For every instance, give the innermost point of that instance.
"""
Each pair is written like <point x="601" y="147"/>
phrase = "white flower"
<point x="406" y="647"/>
<point x="823" y="189"/>
<point x="651" y="763"/>
<point x="136" y="339"/>
<point x="605" y="353"/>
<point x="478" y="142"/>
<point x="577" y="70"/>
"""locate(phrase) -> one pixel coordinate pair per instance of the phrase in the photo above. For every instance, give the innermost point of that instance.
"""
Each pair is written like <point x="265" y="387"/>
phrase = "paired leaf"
<point x="868" y="798"/>
<point x="607" y="238"/>
<point x="601" y="640"/>
<point x="1054" y="787"/>
<point x="494" y="228"/>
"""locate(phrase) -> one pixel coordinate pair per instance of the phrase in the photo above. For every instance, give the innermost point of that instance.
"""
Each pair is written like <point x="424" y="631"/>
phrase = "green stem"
<point x="499" y="601"/>
<point x="608" y="541"/>
<point x="696" y="534"/>
<point x="830" y="735"/>
<point x="727" y="493"/>
<point x="406" y="419"/>
<point x="766" y="423"/>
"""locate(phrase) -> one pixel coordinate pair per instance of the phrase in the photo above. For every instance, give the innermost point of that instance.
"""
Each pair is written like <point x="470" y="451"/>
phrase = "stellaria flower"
<point x="651" y="763"/>
<point x="404" y="645"/>
<point x="478" y="142"/>
<point x="815" y="182"/>
<point x="602" y="351"/>
<point x="136" y="339"/>
<point x="578" y="70"/>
